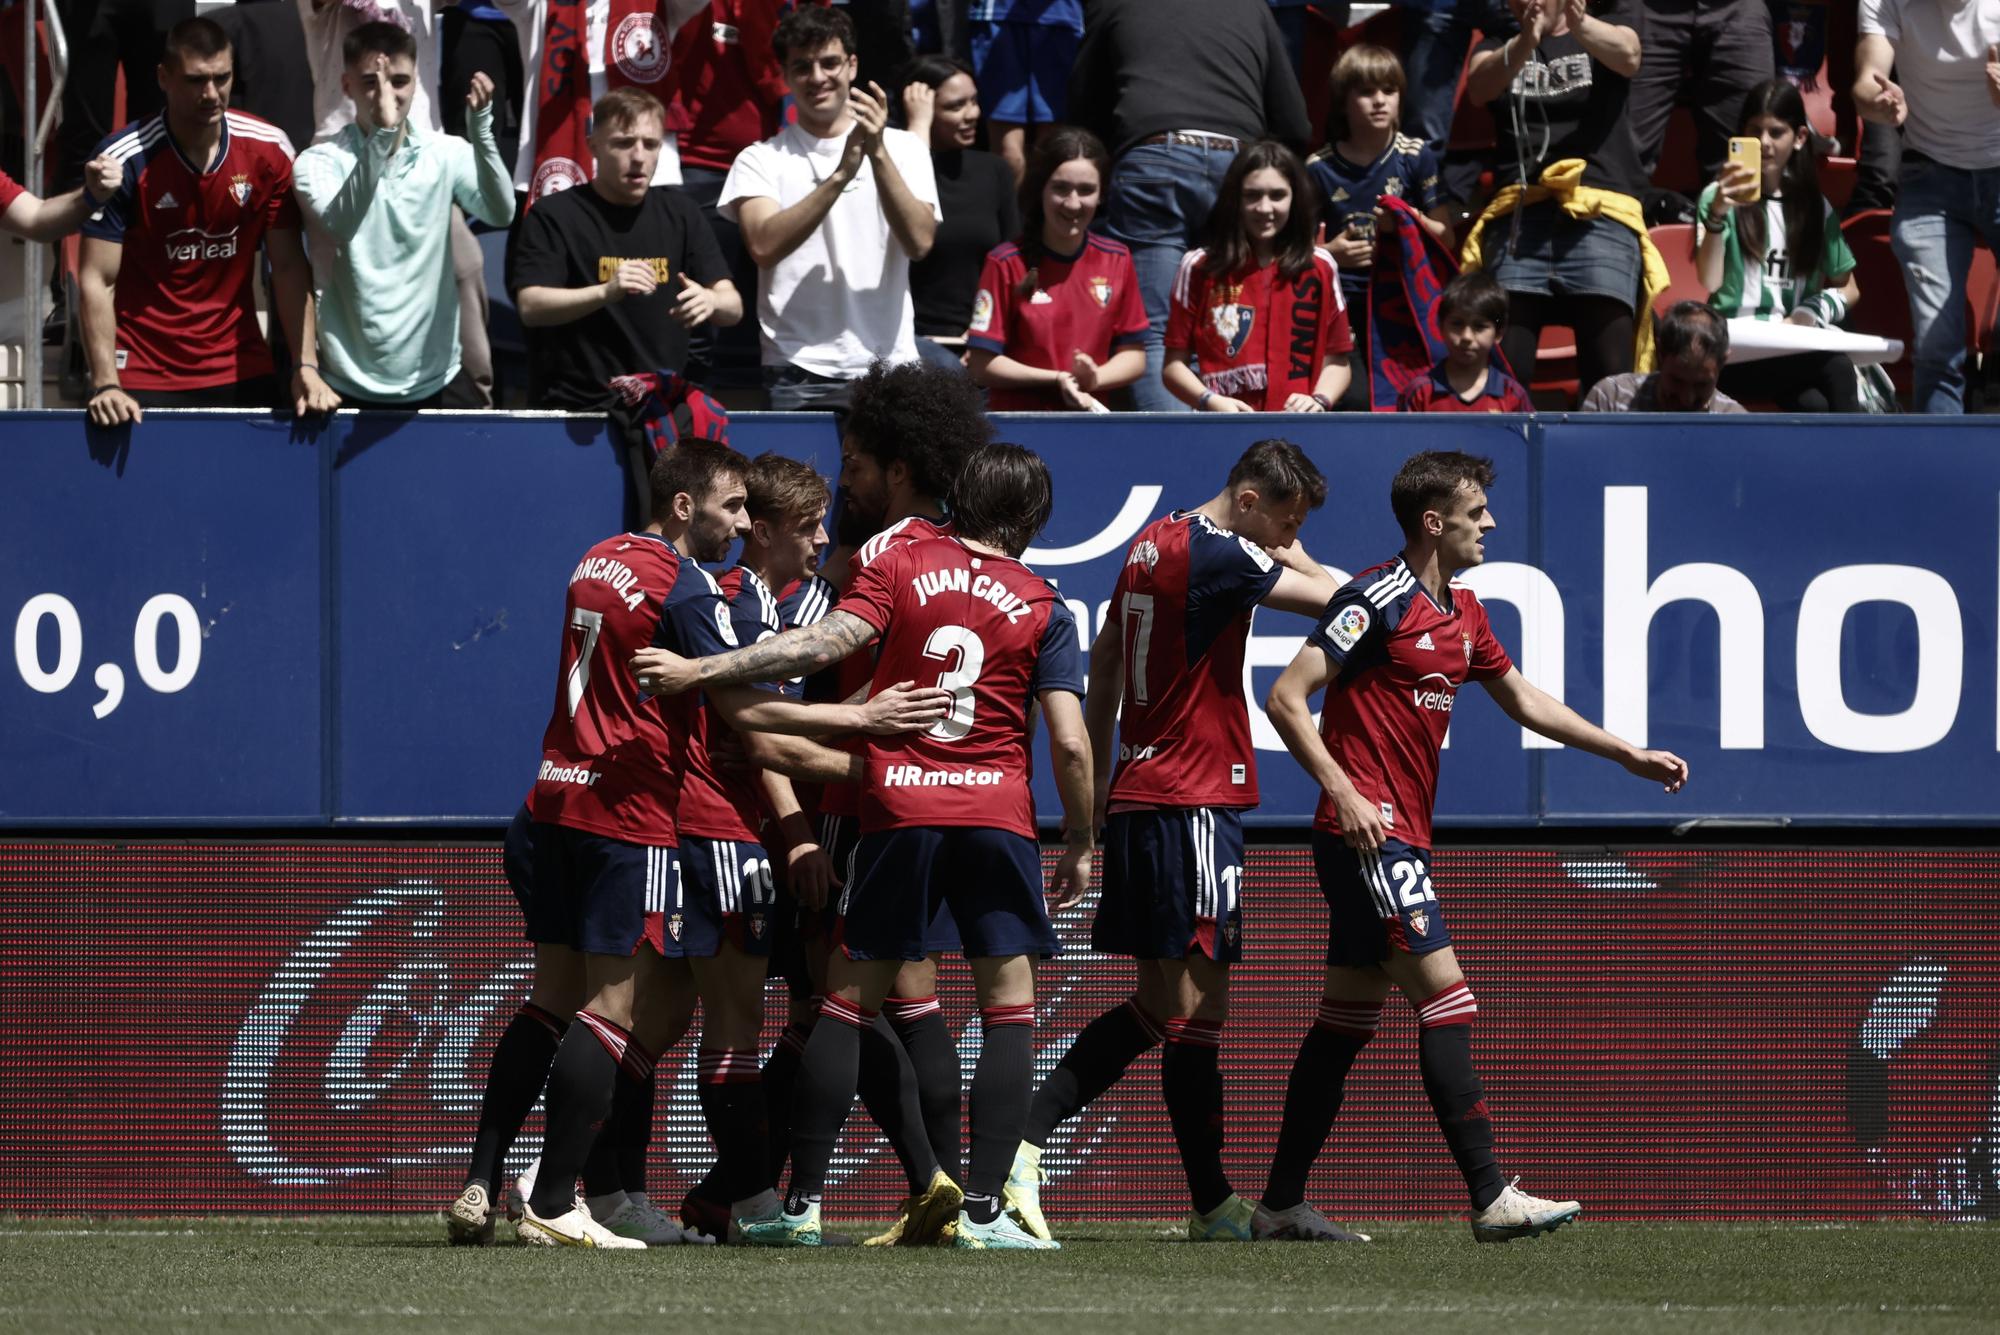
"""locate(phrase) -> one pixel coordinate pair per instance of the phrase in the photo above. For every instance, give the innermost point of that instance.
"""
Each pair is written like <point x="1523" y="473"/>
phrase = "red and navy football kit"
<point x="1400" y="657"/>
<point x="603" y="873"/>
<point x="1187" y="770"/>
<point x="1088" y="301"/>
<point x="1254" y="336"/>
<point x="1433" y="393"/>
<point x="947" y="815"/>
<point x="730" y="893"/>
<point x="185" y="300"/>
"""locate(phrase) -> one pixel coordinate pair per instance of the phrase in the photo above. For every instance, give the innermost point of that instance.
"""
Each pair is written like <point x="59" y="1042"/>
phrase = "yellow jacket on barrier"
<point x="1564" y="182"/>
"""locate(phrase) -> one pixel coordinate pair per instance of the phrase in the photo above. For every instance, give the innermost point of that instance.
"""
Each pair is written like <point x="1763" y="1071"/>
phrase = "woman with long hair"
<point x="975" y="190"/>
<point x="1058" y="319"/>
<point x="1771" y="249"/>
<point x="1258" y="308"/>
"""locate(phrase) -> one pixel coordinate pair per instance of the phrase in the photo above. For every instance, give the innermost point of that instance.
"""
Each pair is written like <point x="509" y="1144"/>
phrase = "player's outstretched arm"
<point x="903" y="707"/>
<point x="1534" y="708"/>
<point x="796" y="652"/>
<point x="1100" y="711"/>
<point x="782" y="757"/>
<point x="1069" y="755"/>
<point x="1303" y="585"/>
<point x="1290" y="710"/>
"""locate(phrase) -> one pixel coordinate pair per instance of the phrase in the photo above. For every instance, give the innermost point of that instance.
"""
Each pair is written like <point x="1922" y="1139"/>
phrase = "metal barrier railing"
<point x="38" y="122"/>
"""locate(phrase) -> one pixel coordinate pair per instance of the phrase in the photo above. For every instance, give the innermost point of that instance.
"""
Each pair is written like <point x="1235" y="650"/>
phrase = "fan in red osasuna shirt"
<point x="945" y="816"/>
<point x="1058" y="319"/>
<point x="1259" y="307"/>
<point x="169" y="263"/>
<point x="1391" y="651"/>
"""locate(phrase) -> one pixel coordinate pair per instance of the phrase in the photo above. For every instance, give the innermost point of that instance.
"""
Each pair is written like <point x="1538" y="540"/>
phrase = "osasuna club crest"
<point x="1100" y="288"/>
<point x="1420" y="921"/>
<point x="674" y="926"/>
<point x="1233" y="324"/>
<point x="239" y="186"/>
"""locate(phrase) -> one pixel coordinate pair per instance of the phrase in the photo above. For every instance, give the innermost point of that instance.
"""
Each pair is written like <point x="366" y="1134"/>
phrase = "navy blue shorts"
<point x="1377" y="902"/>
<point x="594" y="894"/>
<point x="906" y="884"/>
<point x="726" y="893"/>
<point x="1173" y="885"/>
<point x="517" y="857"/>
<point x="1023" y="70"/>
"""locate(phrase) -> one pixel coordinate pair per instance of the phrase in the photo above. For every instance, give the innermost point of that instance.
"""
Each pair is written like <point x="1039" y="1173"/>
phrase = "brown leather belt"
<point x="1214" y="143"/>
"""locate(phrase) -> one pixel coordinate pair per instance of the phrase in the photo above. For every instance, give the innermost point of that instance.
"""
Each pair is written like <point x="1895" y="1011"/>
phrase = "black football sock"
<point x="1192" y="1083"/>
<point x="617" y="1160"/>
<point x="781" y="1071"/>
<point x="889" y="1091"/>
<point x="823" y="1095"/>
<point x="582" y="1080"/>
<point x="1093" y="1064"/>
<point x="1000" y="1095"/>
<point x="1312" y="1096"/>
<point x="919" y="1023"/>
<point x="732" y="1103"/>
<point x="513" y="1082"/>
<point x="1444" y="1052"/>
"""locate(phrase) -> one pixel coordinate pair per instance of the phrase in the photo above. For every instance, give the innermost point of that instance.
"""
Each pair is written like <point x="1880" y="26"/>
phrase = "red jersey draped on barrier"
<point x="637" y="52"/>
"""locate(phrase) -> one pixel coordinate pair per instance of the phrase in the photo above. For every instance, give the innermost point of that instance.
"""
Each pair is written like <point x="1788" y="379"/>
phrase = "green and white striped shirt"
<point x="1771" y="291"/>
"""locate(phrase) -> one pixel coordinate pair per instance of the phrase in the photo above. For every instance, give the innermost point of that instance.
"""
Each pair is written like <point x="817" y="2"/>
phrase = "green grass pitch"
<point x="395" y="1274"/>
<point x="374" y="1273"/>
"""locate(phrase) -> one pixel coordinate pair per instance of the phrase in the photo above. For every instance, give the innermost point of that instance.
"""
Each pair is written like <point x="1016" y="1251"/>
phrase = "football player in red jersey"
<point x="1391" y="652"/>
<point x="596" y="855"/>
<point x="1166" y="674"/>
<point x="946" y="815"/>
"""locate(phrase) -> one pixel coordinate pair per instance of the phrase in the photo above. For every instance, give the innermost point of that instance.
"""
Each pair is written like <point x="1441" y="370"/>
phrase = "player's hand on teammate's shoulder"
<point x="662" y="672"/>
<point x="905" y="707"/>
<point x="1662" y="767"/>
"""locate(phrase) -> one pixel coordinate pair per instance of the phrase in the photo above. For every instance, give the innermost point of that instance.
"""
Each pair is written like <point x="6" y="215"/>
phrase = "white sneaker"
<point x="1516" y="1214"/>
<point x="468" y="1221"/>
<point x="641" y="1219"/>
<point x="575" y="1229"/>
<point x="1023" y="1192"/>
<point x="1301" y="1223"/>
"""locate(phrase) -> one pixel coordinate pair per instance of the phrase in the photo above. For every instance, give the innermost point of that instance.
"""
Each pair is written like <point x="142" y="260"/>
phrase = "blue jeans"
<point x="1436" y="34"/>
<point x="1941" y="214"/>
<point x="1158" y="206"/>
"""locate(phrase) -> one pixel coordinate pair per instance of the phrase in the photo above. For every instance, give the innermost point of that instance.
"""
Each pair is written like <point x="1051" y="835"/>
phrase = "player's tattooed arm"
<point x="1100" y="711"/>
<point x="1290" y="710"/>
<point x="796" y="652"/>
<point x="1534" y="708"/>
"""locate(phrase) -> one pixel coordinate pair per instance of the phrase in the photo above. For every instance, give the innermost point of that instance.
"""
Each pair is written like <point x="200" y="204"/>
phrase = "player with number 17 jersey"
<point x="612" y="757"/>
<point x="995" y="634"/>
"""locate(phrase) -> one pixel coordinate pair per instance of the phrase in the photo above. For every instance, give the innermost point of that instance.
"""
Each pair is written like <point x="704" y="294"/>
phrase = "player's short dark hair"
<point x="693" y="467"/>
<point x="627" y="106"/>
<point x="1430" y="480"/>
<point x="377" y="39"/>
<point x="808" y="28"/>
<point x="1003" y="497"/>
<point x="784" y="488"/>
<point x="199" y="38"/>
<point x="1280" y="471"/>
<point x="1474" y="296"/>
<point x="929" y="417"/>
<point x="1694" y="327"/>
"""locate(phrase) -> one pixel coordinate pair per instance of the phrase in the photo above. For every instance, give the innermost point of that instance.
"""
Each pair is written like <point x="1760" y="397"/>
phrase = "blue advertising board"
<point x="221" y="620"/>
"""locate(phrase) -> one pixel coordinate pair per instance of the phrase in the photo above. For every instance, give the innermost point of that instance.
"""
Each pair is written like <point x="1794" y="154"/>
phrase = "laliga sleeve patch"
<point x="722" y="625"/>
<point x="1348" y="626"/>
<point x="982" y="311"/>
<point x="1257" y="554"/>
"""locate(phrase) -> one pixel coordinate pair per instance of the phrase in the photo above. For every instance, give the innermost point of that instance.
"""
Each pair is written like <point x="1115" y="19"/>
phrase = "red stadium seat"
<point x="1836" y="180"/>
<point x="1675" y="242"/>
<point x="1555" y="383"/>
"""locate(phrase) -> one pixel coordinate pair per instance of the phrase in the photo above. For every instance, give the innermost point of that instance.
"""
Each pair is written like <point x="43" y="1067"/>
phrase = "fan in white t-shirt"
<point x="833" y="209"/>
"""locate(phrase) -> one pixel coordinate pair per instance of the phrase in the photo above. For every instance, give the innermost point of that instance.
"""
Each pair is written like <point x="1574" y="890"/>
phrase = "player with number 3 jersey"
<point x="947" y="814"/>
<point x="1391" y="652"/>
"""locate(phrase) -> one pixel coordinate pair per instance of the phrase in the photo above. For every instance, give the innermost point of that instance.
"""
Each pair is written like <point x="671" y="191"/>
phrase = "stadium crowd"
<point x="1222" y="205"/>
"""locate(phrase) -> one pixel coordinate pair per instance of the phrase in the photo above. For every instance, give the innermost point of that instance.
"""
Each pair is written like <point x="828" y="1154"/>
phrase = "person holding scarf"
<point x="1259" y="308"/>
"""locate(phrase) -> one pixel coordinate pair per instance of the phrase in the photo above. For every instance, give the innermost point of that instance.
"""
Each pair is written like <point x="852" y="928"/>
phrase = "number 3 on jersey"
<point x="961" y="647"/>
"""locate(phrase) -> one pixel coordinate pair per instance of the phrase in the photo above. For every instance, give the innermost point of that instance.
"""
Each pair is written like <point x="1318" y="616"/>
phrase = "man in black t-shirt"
<point x="610" y="277"/>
